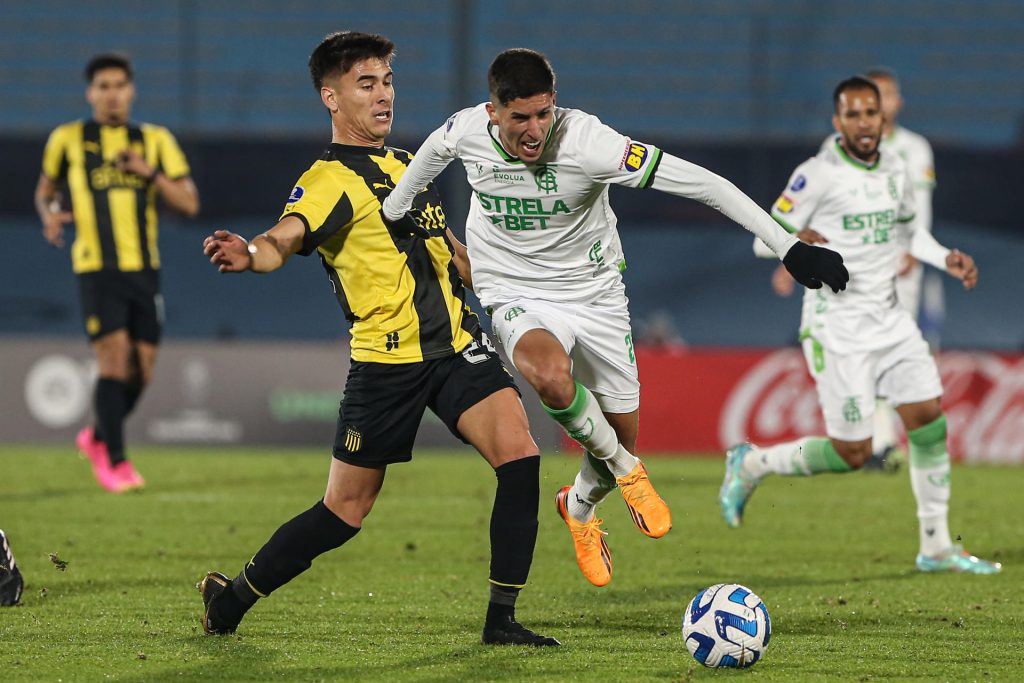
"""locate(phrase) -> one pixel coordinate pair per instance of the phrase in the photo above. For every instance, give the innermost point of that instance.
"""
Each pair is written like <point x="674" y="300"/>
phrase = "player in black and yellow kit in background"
<point x="114" y="169"/>
<point x="415" y="344"/>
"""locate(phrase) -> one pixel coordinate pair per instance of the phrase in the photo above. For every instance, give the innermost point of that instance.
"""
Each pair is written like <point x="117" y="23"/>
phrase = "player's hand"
<point x="812" y="266"/>
<point x="408" y="225"/>
<point x="228" y="251"/>
<point x="907" y="264"/>
<point x="782" y="281"/>
<point x="53" y="224"/>
<point x="961" y="266"/>
<point x="811" y="236"/>
<point x="132" y="161"/>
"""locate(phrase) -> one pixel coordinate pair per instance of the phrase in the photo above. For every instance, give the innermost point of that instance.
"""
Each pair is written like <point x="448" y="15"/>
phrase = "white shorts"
<point x="596" y="336"/>
<point x="902" y="372"/>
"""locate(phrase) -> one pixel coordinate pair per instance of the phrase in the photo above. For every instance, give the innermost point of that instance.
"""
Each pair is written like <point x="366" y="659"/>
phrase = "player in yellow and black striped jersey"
<point x="415" y="344"/>
<point x="114" y="170"/>
<point x="401" y="293"/>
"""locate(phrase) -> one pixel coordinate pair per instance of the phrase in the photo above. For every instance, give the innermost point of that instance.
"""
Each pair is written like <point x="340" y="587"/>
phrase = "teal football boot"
<point x="737" y="486"/>
<point x="956" y="559"/>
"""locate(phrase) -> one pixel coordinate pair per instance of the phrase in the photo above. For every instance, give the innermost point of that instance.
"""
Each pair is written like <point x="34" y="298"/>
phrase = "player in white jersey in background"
<point x="546" y="261"/>
<point x="862" y="344"/>
<point x="916" y="153"/>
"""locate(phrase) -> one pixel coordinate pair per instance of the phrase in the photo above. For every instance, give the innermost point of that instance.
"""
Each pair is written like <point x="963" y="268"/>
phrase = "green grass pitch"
<point x="832" y="557"/>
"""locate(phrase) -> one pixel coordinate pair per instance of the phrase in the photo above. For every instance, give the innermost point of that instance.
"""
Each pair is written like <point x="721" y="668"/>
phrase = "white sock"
<point x="931" y="489"/>
<point x="585" y="424"/>
<point x="884" y="436"/>
<point x="803" y="457"/>
<point x="593" y="484"/>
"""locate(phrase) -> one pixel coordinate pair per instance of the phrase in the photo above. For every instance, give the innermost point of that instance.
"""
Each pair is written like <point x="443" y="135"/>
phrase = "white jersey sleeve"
<point x="433" y="156"/>
<point x="610" y="157"/>
<point x="923" y="246"/>
<point x="684" y="179"/>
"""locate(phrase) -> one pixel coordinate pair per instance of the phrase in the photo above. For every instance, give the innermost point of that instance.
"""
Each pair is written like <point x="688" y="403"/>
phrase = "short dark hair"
<point x="520" y="72"/>
<point x="854" y="83"/>
<point x="338" y="52"/>
<point x="108" y="60"/>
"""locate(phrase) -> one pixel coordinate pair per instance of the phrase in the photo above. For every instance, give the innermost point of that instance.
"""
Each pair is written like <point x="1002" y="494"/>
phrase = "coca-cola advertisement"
<point x="698" y="401"/>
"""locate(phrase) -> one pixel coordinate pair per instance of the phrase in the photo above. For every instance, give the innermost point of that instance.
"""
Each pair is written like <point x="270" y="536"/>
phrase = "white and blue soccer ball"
<point x="727" y="625"/>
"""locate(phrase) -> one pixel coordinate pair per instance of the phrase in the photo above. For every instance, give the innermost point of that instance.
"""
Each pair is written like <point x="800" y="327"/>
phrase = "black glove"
<point x="811" y="266"/>
<point x="406" y="225"/>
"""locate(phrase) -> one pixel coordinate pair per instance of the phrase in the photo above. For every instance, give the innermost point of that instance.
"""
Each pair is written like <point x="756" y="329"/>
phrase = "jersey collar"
<point x="503" y="153"/>
<point x="857" y="163"/>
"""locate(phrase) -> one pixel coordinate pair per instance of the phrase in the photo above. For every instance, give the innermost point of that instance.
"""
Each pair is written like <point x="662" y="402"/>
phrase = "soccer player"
<point x="114" y="169"/>
<point x="916" y="153"/>
<point x="546" y="261"/>
<point x="11" y="581"/>
<point x="415" y="344"/>
<point x="861" y="344"/>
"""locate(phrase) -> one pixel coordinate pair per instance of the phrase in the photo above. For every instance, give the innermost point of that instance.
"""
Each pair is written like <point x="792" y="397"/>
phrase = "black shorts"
<point x="384" y="403"/>
<point x="113" y="300"/>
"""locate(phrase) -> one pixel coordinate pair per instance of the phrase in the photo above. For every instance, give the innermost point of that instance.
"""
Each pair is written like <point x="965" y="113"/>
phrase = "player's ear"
<point x="328" y="98"/>
<point x="835" y="123"/>
<point x="492" y="112"/>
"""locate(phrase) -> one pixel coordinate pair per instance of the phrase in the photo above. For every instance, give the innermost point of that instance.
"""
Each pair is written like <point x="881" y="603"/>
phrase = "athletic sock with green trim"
<point x="593" y="484"/>
<point x="803" y="457"/>
<point x="930" y="479"/>
<point x="585" y="424"/>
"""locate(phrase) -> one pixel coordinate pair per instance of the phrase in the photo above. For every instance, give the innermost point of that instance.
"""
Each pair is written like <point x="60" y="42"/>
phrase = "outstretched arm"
<point x="432" y="157"/>
<point x="683" y="179"/>
<point x="231" y="253"/>
<point x="811" y="266"/>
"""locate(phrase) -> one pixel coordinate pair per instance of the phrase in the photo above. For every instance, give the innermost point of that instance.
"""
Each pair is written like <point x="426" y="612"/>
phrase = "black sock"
<point x="513" y="531"/>
<point x="291" y="551"/>
<point x="132" y="391"/>
<point x="110" y="412"/>
<point x="502" y="607"/>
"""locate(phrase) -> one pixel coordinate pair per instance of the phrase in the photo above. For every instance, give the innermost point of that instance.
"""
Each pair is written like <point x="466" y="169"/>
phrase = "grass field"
<point x="832" y="558"/>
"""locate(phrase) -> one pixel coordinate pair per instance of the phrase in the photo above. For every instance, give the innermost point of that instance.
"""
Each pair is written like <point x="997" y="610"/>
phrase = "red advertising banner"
<point x="707" y="400"/>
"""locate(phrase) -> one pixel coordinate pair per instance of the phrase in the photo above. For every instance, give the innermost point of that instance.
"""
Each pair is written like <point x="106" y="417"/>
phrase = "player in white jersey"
<point x="546" y="260"/>
<point x="860" y="344"/>
<point x="916" y="153"/>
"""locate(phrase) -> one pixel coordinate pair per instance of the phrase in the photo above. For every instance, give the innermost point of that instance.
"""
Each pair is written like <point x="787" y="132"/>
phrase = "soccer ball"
<point x="727" y="625"/>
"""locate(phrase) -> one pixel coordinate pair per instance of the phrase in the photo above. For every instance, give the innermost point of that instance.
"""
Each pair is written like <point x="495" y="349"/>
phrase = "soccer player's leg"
<point x="844" y="384"/>
<point x="380" y="414"/>
<point x="910" y="380"/>
<point x="480" y="404"/>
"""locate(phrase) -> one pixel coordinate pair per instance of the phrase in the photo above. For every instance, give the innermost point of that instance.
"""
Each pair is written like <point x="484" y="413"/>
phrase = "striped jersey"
<point x="401" y="293"/>
<point x="115" y="211"/>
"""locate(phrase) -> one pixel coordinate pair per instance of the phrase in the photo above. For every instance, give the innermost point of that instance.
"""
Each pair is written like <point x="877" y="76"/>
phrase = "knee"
<point x="352" y="511"/>
<point x="554" y="383"/>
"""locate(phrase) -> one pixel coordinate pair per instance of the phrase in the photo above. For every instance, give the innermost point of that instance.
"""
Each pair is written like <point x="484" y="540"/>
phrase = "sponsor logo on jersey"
<point x="296" y="194"/>
<point x="784" y="204"/>
<point x="449" y="123"/>
<point x="520" y="213"/>
<point x="871" y="219"/>
<point x="799" y="183"/>
<point x="636" y="155"/>
<point x="507" y="177"/>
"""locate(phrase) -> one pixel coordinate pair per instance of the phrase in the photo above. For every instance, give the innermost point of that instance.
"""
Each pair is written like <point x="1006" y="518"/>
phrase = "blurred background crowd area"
<point x="742" y="88"/>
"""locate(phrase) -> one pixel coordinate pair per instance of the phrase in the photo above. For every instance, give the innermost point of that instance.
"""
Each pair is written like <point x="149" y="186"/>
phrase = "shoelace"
<point x="589" y="533"/>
